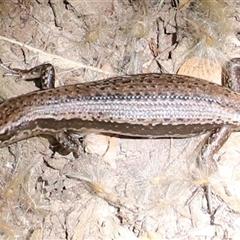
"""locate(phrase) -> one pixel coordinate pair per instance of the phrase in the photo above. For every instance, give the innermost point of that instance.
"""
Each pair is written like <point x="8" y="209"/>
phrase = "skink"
<point x="145" y="105"/>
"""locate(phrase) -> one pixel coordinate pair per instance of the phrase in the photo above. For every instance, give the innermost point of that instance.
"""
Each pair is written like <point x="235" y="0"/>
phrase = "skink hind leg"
<point x="43" y="75"/>
<point x="66" y="143"/>
<point x="44" y="78"/>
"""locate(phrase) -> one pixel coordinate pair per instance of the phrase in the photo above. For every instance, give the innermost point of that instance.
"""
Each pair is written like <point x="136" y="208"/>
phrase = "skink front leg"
<point x="231" y="75"/>
<point x="230" y="79"/>
<point x="213" y="144"/>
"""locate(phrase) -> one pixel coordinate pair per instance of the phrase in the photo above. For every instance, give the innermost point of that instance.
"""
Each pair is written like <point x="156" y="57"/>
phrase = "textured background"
<point x="120" y="188"/>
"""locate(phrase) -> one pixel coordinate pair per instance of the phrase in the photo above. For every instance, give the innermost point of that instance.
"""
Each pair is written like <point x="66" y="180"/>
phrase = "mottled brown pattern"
<point x="145" y="105"/>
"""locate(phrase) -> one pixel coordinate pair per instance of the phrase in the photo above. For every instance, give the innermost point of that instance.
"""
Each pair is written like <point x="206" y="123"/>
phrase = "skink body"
<point x="144" y="105"/>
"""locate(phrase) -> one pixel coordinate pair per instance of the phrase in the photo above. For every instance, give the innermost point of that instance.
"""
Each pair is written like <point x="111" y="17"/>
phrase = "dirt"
<point x="119" y="188"/>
